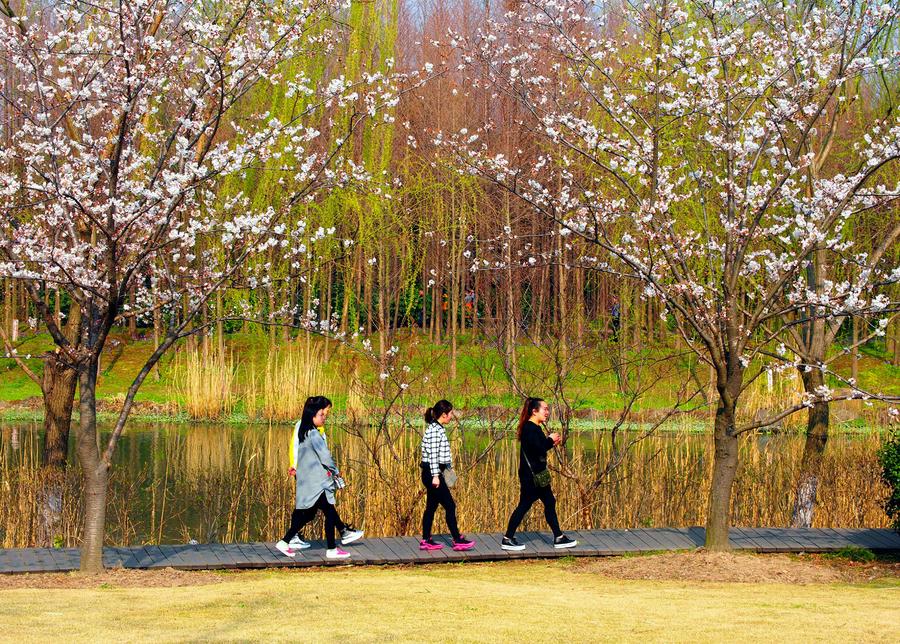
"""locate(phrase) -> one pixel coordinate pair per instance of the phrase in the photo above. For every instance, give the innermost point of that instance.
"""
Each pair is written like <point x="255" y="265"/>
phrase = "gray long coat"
<point x="315" y="471"/>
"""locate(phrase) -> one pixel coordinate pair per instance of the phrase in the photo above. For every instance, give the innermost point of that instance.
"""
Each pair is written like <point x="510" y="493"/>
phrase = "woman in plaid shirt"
<point x="436" y="460"/>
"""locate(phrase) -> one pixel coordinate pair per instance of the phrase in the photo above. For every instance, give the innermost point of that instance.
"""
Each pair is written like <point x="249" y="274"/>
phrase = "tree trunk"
<point x="94" y="472"/>
<point x="817" y="422"/>
<point x="58" y="388"/>
<point x="896" y="359"/>
<point x="718" y="518"/>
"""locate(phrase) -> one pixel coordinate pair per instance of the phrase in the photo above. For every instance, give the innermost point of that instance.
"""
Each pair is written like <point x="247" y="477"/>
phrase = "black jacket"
<point x="534" y="445"/>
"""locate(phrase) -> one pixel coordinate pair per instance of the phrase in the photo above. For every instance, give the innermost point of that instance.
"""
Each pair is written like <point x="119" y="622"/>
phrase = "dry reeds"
<point x="293" y="373"/>
<point x="215" y="484"/>
<point x="204" y="382"/>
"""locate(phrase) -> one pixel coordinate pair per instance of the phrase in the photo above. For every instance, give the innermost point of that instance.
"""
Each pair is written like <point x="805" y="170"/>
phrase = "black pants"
<point x="300" y="518"/>
<point x="528" y="494"/>
<point x="435" y="496"/>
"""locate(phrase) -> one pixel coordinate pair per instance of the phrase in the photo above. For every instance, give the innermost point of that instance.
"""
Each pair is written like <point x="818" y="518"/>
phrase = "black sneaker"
<point x="511" y="544"/>
<point x="562" y="541"/>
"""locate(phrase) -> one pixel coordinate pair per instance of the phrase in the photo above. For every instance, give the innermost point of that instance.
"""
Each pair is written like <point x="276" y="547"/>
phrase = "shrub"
<point x="889" y="454"/>
<point x="853" y="553"/>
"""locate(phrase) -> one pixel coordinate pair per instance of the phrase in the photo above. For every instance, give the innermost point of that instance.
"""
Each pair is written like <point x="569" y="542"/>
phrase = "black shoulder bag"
<point x="542" y="478"/>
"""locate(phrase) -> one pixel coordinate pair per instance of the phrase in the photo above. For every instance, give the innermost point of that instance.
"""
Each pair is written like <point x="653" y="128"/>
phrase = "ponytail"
<point x="531" y="405"/>
<point x="440" y="408"/>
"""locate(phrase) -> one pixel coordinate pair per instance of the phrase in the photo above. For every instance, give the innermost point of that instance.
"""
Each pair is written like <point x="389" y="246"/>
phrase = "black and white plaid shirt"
<point x="435" y="448"/>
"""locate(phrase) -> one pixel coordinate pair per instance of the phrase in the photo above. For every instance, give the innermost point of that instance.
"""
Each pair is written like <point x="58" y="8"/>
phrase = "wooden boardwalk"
<point x="405" y="550"/>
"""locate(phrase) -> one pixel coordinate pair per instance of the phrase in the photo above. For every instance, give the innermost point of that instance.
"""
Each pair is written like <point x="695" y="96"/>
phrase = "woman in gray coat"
<point x="317" y="476"/>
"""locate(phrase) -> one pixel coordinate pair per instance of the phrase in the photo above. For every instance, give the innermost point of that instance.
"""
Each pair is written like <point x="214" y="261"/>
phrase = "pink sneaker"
<point x="429" y="544"/>
<point x="463" y="544"/>
<point x="337" y="553"/>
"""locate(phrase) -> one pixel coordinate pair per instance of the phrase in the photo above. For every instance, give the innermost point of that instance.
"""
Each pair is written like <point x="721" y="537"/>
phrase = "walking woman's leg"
<point x="431" y="503"/>
<point x="296" y="523"/>
<point x="331" y="518"/>
<point x="445" y="498"/>
<point x="527" y="497"/>
<point x="549" y="501"/>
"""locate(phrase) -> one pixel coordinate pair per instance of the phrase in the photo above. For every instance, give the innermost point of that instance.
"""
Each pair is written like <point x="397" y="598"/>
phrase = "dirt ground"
<point x="679" y="566"/>
<point x="741" y="568"/>
<point x="117" y="578"/>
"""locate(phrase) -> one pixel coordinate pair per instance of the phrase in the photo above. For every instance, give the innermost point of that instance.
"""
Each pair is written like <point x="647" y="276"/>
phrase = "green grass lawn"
<point x="501" y="602"/>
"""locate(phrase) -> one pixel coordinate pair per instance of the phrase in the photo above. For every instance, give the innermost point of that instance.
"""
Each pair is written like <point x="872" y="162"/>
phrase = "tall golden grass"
<point x="204" y="382"/>
<point x="214" y="484"/>
<point x="293" y="371"/>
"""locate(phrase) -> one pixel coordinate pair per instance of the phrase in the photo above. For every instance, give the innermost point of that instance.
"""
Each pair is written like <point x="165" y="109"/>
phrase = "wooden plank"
<point x="361" y="552"/>
<point x="537" y="544"/>
<point x="640" y="539"/>
<point x="590" y="540"/>
<point x="376" y="552"/>
<point x="740" y="539"/>
<point x="487" y="548"/>
<point x="383" y="547"/>
<point x="675" y="538"/>
<point x="584" y="548"/>
<point x="828" y="539"/>
<point x="769" y="542"/>
<point x="871" y="538"/>
<point x="784" y="538"/>
<point x="656" y="539"/>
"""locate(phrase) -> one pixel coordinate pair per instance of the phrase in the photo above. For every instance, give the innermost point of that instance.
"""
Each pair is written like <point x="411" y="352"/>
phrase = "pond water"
<point x="174" y="482"/>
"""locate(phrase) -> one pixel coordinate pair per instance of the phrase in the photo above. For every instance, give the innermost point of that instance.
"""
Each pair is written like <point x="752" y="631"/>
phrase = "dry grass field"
<point x="563" y="601"/>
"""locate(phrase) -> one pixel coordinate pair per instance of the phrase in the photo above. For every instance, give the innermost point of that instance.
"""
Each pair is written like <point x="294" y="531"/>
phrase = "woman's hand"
<point x="557" y="439"/>
<point x="292" y="471"/>
<point x="435" y="481"/>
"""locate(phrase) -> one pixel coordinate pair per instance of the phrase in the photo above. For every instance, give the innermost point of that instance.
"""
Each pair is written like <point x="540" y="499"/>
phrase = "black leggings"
<point x="435" y="496"/>
<point x="301" y="517"/>
<point x="528" y="494"/>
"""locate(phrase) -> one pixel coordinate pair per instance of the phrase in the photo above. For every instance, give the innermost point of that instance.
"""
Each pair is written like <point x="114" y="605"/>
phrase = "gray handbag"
<point x="450" y="477"/>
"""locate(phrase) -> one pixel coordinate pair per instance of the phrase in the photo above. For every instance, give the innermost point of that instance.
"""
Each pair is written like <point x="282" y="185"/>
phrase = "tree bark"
<point x="95" y="473"/>
<point x="817" y="423"/>
<point x="718" y="519"/>
<point x="58" y="388"/>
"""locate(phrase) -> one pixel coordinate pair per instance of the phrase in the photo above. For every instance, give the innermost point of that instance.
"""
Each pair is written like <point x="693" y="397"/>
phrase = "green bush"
<point x="853" y="553"/>
<point x="890" y="473"/>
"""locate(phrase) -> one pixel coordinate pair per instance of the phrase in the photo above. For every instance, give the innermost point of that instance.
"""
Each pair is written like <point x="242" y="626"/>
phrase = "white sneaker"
<point x="350" y="535"/>
<point x="299" y="543"/>
<point x="337" y="553"/>
<point x="285" y="549"/>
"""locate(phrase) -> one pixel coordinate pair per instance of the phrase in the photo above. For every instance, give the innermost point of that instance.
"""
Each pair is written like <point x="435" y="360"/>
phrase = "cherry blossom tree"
<point x="122" y="117"/>
<point x="677" y="139"/>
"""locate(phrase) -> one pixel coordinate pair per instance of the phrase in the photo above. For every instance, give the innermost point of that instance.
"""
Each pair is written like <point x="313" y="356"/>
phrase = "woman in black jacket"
<point x="533" y="447"/>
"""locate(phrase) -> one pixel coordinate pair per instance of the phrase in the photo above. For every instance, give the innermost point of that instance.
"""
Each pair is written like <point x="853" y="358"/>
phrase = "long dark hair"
<point x="312" y="406"/>
<point x="440" y="408"/>
<point x="531" y="405"/>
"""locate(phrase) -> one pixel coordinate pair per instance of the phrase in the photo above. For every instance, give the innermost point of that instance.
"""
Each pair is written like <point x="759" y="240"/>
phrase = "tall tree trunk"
<point x="58" y="384"/>
<point x="817" y="422"/>
<point x="94" y="472"/>
<point x="896" y="358"/>
<point x="718" y="518"/>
